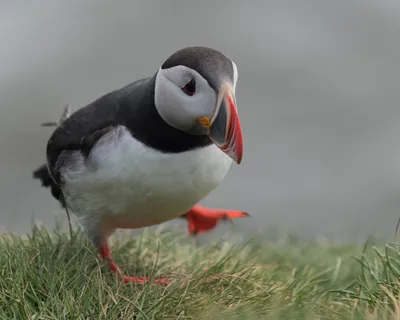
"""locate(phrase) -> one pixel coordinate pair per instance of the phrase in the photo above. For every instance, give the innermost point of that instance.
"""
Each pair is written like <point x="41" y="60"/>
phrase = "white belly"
<point x="136" y="186"/>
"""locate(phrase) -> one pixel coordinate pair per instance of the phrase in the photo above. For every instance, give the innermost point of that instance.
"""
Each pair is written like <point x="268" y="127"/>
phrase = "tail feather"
<point x="42" y="174"/>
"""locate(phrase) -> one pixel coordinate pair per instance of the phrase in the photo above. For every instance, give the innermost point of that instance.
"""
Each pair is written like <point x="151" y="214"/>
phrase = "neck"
<point x="145" y="124"/>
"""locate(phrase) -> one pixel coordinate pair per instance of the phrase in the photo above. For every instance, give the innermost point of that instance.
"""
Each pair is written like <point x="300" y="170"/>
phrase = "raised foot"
<point x="202" y="219"/>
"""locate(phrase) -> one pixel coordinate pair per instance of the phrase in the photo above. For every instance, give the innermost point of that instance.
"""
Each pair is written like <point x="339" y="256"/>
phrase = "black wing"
<point x="79" y="132"/>
<point x="87" y="125"/>
<point x="82" y="130"/>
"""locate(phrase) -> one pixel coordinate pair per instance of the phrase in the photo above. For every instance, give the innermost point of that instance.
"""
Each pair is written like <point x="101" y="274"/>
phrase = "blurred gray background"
<point x="318" y="95"/>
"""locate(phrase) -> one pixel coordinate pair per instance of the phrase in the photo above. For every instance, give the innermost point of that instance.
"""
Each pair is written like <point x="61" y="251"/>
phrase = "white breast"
<point x="137" y="186"/>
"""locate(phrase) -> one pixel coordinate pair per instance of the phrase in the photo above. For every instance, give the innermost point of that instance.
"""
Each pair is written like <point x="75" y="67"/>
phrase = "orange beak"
<point x="226" y="131"/>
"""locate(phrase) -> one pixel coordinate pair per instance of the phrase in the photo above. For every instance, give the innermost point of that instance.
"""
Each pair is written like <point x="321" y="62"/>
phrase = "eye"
<point x="190" y="87"/>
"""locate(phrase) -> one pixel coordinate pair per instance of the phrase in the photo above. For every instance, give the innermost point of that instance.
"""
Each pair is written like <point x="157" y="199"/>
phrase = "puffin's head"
<point x="195" y="93"/>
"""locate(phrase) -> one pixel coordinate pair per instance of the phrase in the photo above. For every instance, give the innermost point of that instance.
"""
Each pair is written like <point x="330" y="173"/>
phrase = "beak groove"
<point x="226" y="131"/>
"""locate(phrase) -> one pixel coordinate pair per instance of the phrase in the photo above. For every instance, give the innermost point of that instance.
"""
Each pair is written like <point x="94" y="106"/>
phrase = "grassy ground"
<point x="47" y="276"/>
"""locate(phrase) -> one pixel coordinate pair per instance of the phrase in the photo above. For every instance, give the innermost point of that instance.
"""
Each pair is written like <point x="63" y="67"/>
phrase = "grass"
<point x="48" y="276"/>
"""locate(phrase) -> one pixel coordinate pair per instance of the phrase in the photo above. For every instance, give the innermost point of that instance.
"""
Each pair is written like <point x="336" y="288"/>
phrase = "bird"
<point x="149" y="152"/>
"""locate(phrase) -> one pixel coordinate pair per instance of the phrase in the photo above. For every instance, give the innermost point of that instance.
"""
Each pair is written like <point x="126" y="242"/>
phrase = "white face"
<point x="181" y="106"/>
<point x="182" y="96"/>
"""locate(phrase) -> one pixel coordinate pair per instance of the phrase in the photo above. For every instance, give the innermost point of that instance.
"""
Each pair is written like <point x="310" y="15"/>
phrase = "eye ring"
<point x="190" y="87"/>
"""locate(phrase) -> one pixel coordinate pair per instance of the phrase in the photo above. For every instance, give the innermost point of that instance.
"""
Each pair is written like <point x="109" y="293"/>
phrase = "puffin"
<point x="149" y="151"/>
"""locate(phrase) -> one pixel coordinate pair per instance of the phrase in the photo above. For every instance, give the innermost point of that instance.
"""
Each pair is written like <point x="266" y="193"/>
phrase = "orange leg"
<point x="105" y="255"/>
<point x="202" y="219"/>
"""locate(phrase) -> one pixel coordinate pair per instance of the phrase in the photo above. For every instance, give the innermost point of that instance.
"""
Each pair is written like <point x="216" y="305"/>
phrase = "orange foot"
<point x="202" y="219"/>
<point x="105" y="255"/>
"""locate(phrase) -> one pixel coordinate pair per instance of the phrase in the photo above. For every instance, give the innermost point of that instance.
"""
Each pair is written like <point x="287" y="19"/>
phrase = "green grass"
<point x="48" y="276"/>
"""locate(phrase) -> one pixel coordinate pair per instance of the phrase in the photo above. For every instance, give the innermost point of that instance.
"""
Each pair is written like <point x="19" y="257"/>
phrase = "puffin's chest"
<point x="130" y="176"/>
